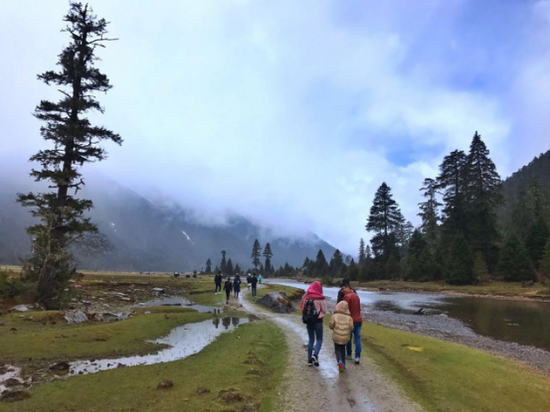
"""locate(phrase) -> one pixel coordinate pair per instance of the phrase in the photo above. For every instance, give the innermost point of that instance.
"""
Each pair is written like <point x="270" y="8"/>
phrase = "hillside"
<point x="150" y="237"/>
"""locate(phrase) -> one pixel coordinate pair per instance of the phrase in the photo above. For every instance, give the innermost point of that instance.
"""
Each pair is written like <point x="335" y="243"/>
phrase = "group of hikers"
<point x="345" y="322"/>
<point x="235" y="285"/>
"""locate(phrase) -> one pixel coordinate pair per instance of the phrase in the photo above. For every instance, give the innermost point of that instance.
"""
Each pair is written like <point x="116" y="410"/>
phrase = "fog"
<point x="292" y="113"/>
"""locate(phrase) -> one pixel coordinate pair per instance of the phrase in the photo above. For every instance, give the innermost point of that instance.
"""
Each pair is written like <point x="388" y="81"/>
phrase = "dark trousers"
<point x="340" y="352"/>
<point x="218" y="287"/>
<point x="227" y="294"/>
<point x="253" y="290"/>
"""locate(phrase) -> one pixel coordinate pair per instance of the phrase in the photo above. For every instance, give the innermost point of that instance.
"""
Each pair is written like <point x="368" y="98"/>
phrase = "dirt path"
<point x="361" y="388"/>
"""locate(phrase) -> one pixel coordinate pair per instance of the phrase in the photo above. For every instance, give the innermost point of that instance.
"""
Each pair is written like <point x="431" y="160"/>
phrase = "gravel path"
<point x="361" y="388"/>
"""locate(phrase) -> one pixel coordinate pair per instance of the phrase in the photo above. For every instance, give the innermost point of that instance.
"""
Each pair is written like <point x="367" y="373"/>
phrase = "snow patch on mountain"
<point x="187" y="236"/>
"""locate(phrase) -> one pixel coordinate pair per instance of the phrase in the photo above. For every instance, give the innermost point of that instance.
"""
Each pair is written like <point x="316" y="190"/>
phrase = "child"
<point x="228" y="287"/>
<point x="342" y="325"/>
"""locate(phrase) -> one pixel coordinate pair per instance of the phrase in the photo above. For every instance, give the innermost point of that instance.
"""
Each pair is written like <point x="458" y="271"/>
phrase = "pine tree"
<point x="223" y="264"/>
<point x="452" y="180"/>
<point x="429" y="212"/>
<point x="384" y="220"/>
<point x="237" y="269"/>
<point x="460" y="262"/>
<point x="482" y="196"/>
<point x="72" y="142"/>
<point x="415" y="268"/>
<point x="481" y="272"/>
<point x="208" y="267"/>
<point x="256" y="252"/>
<point x="268" y="254"/>
<point x="536" y="240"/>
<point x="229" y="268"/>
<point x="392" y="268"/>
<point x="545" y="261"/>
<point x="338" y="259"/>
<point x="513" y="262"/>
<point x="362" y="255"/>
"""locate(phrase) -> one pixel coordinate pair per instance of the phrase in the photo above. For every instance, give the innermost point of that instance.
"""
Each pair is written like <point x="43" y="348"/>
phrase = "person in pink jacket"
<point x="315" y="305"/>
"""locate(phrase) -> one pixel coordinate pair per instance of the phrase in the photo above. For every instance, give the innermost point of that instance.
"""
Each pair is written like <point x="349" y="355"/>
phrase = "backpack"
<point x="310" y="316"/>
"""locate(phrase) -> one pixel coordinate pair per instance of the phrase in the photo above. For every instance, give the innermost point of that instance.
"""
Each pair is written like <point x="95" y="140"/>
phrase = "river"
<point x="521" y="321"/>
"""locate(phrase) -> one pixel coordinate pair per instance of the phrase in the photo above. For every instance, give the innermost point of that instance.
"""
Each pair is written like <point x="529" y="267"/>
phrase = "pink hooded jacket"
<point x="315" y="293"/>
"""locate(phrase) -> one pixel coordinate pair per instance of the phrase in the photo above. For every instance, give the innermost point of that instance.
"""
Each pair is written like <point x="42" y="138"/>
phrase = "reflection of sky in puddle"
<point x="177" y="301"/>
<point x="184" y="341"/>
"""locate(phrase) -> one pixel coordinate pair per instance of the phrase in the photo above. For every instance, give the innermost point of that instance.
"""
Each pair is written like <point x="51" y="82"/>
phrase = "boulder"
<point x="60" y="366"/>
<point x="11" y="382"/>
<point x="14" y="396"/>
<point x="165" y="384"/>
<point x="75" y="317"/>
<point x="201" y="391"/>
<point x="20" y="308"/>
<point x="277" y="301"/>
<point x="232" y="395"/>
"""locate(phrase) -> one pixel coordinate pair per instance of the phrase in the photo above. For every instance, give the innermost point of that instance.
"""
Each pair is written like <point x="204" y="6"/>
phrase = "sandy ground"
<point x="361" y="388"/>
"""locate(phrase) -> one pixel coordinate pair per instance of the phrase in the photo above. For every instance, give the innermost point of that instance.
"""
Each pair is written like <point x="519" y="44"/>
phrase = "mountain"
<point x="150" y="237"/>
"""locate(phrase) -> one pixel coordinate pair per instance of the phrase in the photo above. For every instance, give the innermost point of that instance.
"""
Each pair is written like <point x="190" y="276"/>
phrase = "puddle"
<point x="178" y="301"/>
<point x="184" y="341"/>
<point x="11" y="372"/>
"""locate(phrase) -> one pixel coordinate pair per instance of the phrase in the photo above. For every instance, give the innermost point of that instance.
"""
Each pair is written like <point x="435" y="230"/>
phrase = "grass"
<point x="45" y="336"/>
<point x="251" y="359"/>
<point x="507" y="289"/>
<point x="444" y="376"/>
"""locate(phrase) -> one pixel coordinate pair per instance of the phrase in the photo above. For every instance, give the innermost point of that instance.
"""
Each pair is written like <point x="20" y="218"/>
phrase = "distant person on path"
<point x="260" y="278"/>
<point x="228" y="287"/>
<point x="237" y="285"/>
<point x="342" y="324"/>
<point x="218" y="281"/>
<point x="355" y="310"/>
<point x="314" y="308"/>
<point x="248" y="280"/>
<point x="254" y="284"/>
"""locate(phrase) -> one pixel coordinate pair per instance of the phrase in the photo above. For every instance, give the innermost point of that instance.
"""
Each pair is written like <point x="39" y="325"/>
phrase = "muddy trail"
<point x="361" y="388"/>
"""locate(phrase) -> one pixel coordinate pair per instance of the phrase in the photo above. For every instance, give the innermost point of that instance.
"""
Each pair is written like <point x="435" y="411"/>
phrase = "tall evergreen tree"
<point x="229" y="267"/>
<point x="256" y="252"/>
<point x="208" y="267"/>
<point x="513" y="262"/>
<point x="237" y="269"/>
<point x="384" y="220"/>
<point x="268" y="254"/>
<point x="452" y="181"/>
<point x="545" y="261"/>
<point x="460" y="262"/>
<point x="223" y="264"/>
<point x="72" y="142"/>
<point x="320" y="263"/>
<point x="429" y="213"/>
<point x="362" y="255"/>
<point x="482" y="197"/>
<point x="538" y="235"/>
<point x="416" y="270"/>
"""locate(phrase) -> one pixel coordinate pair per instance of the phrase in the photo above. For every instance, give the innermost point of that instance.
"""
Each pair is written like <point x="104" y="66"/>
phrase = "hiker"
<point x="253" y="284"/>
<point x="237" y="285"/>
<point x="218" y="281"/>
<point x="248" y="280"/>
<point x="341" y="293"/>
<point x="260" y="278"/>
<point x="342" y="324"/>
<point x="314" y="308"/>
<point x="355" y="310"/>
<point x="228" y="287"/>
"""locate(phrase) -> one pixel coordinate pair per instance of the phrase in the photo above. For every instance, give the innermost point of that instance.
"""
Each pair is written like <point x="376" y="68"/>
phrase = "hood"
<point x="315" y="291"/>
<point x="342" y="308"/>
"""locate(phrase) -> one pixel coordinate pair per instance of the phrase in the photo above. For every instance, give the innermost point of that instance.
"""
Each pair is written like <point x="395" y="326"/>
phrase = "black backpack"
<point x="310" y="316"/>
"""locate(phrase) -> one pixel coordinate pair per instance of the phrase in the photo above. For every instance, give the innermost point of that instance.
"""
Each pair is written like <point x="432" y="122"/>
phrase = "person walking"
<point x="354" y="304"/>
<point x="228" y="287"/>
<point x="342" y="324"/>
<point x="314" y="308"/>
<point x="260" y="278"/>
<point x="341" y="293"/>
<point x="248" y="280"/>
<point x="237" y="285"/>
<point x="254" y="284"/>
<point x="218" y="281"/>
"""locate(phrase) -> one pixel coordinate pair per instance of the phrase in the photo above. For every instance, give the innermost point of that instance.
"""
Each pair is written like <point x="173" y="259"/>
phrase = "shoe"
<point x="357" y="361"/>
<point x="315" y="360"/>
<point x="309" y="363"/>
<point x="312" y="360"/>
<point x="340" y="367"/>
<point x="348" y="357"/>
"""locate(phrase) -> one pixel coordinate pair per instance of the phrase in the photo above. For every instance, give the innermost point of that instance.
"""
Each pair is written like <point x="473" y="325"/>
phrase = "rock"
<point x="201" y="391"/>
<point x="232" y="395"/>
<point x="277" y="301"/>
<point x="60" y="366"/>
<point x="158" y="290"/>
<point x="147" y="312"/>
<point x="11" y="382"/>
<point x="14" y="396"/>
<point x="75" y="317"/>
<point x="120" y="365"/>
<point x="165" y="384"/>
<point x="20" y="308"/>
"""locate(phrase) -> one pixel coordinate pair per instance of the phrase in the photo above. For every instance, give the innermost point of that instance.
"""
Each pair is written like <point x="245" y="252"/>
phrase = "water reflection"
<point x="179" y="301"/>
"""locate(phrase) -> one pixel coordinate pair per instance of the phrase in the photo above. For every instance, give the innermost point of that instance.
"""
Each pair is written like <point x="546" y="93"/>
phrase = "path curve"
<point x="361" y="388"/>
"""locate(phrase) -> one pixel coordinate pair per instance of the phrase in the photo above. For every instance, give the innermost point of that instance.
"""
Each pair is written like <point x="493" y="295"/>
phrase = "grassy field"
<point x="506" y="289"/>
<point x="45" y="336"/>
<point x="443" y="376"/>
<point x="251" y="360"/>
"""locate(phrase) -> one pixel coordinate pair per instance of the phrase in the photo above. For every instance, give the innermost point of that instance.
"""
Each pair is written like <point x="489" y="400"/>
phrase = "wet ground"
<point x="183" y="342"/>
<point x="178" y="301"/>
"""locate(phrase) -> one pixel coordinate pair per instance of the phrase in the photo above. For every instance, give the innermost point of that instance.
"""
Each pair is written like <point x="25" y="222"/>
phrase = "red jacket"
<point x="354" y="306"/>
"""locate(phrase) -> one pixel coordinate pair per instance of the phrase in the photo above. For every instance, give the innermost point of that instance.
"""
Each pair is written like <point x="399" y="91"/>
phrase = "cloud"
<point x="293" y="113"/>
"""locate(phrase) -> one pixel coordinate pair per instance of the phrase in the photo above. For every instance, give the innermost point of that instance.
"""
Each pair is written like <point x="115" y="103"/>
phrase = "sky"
<point x="292" y="113"/>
